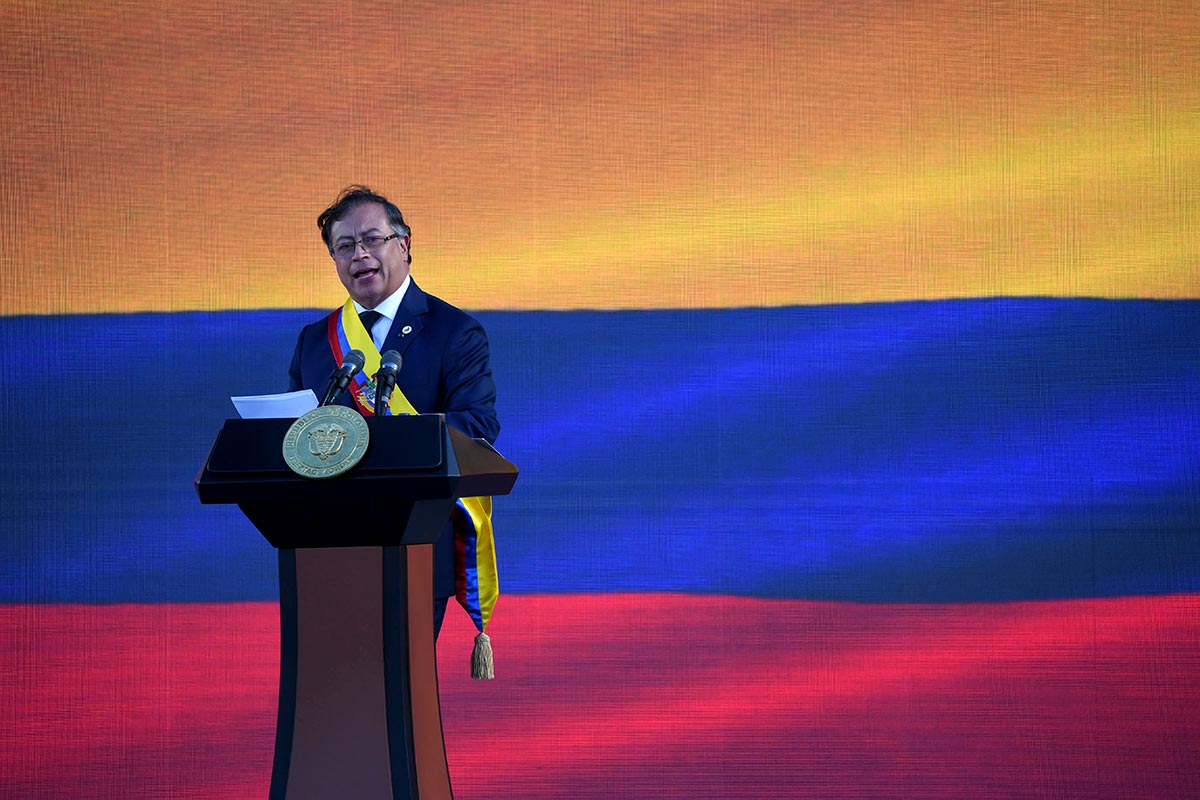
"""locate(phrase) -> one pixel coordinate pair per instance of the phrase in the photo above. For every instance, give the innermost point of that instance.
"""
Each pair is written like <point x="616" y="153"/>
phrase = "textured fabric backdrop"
<point x="849" y="354"/>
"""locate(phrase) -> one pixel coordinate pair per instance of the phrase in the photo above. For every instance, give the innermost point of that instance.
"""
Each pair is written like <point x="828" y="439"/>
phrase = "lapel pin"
<point x="406" y="330"/>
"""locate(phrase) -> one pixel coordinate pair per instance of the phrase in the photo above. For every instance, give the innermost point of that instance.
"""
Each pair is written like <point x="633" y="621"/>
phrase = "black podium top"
<point x="415" y="457"/>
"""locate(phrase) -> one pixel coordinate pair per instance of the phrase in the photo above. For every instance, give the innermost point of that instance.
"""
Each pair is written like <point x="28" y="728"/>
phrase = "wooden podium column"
<point x="359" y="714"/>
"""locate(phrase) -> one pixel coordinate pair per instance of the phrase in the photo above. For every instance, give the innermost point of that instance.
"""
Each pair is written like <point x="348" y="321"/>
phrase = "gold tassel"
<point x="481" y="659"/>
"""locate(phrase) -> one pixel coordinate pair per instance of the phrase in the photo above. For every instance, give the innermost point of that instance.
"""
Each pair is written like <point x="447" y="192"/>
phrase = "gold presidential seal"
<point x="326" y="442"/>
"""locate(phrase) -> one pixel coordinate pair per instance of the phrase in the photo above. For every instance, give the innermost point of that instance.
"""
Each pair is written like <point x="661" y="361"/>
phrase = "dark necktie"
<point x="369" y="318"/>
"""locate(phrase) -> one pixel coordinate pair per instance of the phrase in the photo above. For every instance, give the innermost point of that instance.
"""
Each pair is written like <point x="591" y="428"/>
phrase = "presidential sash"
<point x="475" y="579"/>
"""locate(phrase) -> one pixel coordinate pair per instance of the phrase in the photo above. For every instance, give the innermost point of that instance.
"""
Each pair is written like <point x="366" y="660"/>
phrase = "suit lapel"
<point x="408" y="323"/>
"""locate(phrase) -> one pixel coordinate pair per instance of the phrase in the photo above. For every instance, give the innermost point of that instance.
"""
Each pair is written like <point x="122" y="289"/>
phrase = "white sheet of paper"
<point x="275" y="406"/>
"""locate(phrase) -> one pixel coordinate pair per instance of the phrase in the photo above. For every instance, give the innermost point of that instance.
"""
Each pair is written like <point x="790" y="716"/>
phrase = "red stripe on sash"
<point x="334" y="344"/>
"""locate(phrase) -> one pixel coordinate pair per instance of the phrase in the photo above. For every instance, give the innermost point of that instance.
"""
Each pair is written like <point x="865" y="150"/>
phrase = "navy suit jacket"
<point x="445" y="369"/>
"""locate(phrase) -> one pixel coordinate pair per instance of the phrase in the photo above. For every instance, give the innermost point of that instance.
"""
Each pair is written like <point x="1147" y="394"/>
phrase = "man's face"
<point x="370" y="276"/>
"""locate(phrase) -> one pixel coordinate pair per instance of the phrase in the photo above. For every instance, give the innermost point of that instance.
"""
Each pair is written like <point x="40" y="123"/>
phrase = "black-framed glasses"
<point x="372" y="242"/>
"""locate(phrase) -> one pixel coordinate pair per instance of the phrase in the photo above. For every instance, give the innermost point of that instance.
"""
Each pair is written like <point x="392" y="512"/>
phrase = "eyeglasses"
<point x="372" y="242"/>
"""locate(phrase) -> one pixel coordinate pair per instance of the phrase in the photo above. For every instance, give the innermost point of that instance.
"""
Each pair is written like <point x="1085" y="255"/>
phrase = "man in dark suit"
<point x="445" y="351"/>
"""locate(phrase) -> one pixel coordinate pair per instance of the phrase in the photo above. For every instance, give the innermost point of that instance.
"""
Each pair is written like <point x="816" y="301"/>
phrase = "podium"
<point x="359" y="713"/>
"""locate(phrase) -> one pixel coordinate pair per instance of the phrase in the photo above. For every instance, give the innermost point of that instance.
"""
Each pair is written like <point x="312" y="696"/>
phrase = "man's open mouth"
<point x="366" y="273"/>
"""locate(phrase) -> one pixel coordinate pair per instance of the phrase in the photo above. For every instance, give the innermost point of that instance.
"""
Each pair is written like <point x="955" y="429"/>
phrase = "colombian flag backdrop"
<point x="850" y="353"/>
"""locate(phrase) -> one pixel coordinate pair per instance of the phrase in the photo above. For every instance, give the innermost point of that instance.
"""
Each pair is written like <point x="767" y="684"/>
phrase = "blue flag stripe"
<point x="957" y="450"/>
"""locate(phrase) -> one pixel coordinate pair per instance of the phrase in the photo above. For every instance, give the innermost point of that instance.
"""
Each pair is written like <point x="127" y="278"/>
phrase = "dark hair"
<point x="353" y="196"/>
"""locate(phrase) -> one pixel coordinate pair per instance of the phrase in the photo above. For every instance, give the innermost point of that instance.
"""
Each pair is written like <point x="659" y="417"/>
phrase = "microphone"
<point x="385" y="380"/>
<point x="352" y="364"/>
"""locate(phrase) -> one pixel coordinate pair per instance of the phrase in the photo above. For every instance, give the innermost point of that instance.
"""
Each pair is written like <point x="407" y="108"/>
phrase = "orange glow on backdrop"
<point x="174" y="156"/>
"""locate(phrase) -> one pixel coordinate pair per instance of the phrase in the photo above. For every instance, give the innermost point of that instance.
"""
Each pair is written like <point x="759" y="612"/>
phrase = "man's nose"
<point x="360" y="250"/>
